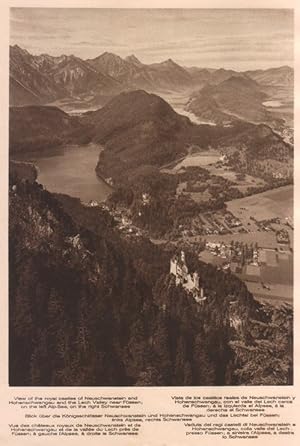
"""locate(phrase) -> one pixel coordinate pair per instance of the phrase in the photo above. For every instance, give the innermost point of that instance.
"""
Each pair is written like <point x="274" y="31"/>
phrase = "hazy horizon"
<point x="240" y="39"/>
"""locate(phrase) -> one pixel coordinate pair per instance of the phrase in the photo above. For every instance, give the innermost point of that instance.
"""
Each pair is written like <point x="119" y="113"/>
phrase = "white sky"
<point x="238" y="38"/>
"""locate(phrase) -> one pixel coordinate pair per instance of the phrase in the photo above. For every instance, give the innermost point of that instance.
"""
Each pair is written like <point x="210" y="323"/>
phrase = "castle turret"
<point x="190" y="282"/>
<point x="173" y="266"/>
<point x="196" y="280"/>
<point x="182" y="255"/>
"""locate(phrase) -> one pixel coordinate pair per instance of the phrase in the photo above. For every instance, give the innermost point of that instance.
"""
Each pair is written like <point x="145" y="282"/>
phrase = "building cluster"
<point x="93" y="204"/>
<point x="282" y="236"/>
<point x="218" y="248"/>
<point x="223" y="158"/>
<point x="189" y="281"/>
<point x="109" y="181"/>
<point x="231" y="221"/>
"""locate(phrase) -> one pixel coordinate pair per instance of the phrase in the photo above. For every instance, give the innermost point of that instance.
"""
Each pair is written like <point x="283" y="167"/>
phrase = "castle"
<point x="188" y="281"/>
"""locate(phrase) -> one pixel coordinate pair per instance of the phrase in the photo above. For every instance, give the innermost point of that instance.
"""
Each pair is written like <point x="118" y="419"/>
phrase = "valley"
<point x="163" y="176"/>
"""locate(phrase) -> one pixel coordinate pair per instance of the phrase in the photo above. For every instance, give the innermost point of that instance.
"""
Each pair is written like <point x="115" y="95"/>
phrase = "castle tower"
<point x="182" y="255"/>
<point x="173" y="266"/>
<point x="196" y="280"/>
<point x="191" y="282"/>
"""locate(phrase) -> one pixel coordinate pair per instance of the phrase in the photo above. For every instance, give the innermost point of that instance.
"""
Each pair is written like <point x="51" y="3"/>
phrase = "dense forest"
<point x="88" y="307"/>
<point x="36" y="128"/>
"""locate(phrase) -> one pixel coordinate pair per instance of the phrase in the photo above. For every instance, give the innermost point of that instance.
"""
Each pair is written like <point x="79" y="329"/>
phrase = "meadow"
<point x="266" y="205"/>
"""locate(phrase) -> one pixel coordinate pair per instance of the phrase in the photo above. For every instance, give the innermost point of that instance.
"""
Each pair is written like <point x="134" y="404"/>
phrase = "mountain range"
<point x="43" y="78"/>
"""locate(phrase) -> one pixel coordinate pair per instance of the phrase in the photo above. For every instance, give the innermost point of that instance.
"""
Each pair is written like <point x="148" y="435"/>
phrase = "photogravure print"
<point x="151" y="197"/>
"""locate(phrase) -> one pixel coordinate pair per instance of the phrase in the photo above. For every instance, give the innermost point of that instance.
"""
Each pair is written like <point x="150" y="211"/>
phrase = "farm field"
<point x="282" y="273"/>
<point x="201" y="159"/>
<point x="271" y="282"/>
<point x="208" y="257"/>
<point x="264" y="206"/>
<point x="277" y="294"/>
<point x="210" y="160"/>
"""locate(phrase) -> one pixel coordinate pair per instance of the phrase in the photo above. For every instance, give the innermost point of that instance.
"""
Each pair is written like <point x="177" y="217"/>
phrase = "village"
<point x="254" y="243"/>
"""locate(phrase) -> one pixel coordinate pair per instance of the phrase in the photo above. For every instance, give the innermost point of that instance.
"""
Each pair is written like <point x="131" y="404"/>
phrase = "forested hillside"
<point x="90" y="308"/>
<point x="36" y="128"/>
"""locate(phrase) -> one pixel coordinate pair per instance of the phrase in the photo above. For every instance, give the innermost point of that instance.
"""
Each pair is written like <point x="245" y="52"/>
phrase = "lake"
<point x="178" y="102"/>
<point x="70" y="170"/>
<point x="272" y="104"/>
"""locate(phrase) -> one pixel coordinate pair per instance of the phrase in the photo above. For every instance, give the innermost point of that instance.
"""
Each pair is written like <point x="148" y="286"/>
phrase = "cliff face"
<point x="89" y="308"/>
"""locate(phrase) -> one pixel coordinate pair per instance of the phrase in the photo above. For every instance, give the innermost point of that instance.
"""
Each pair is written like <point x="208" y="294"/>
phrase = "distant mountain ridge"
<point x="238" y="97"/>
<point x="130" y="71"/>
<point x="43" y="78"/>
<point x="283" y="76"/>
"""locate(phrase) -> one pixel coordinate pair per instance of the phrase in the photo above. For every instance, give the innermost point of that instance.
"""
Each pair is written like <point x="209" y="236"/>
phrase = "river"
<point x="70" y="170"/>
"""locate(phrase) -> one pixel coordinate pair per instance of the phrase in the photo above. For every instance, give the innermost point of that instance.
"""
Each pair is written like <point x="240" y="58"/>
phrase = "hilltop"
<point x="137" y="129"/>
<point x="238" y="97"/>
